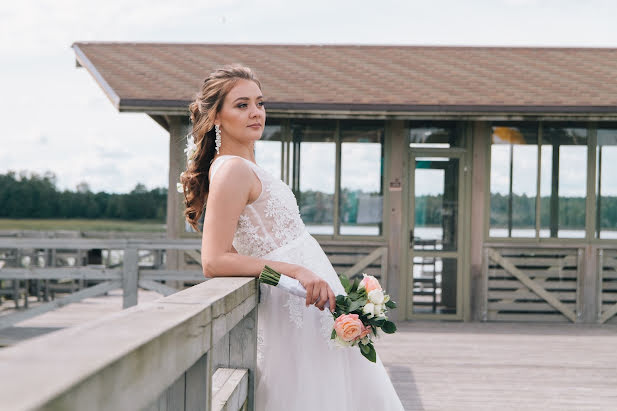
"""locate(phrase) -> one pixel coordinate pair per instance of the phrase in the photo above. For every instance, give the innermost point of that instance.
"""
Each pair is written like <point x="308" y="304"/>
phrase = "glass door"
<point x="435" y="221"/>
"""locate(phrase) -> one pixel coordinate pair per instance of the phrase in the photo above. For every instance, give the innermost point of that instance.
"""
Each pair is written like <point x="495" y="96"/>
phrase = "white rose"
<point x="386" y="299"/>
<point x="366" y="339"/>
<point x="378" y="309"/>
<point x="179" y="188"/>
<point x="376" y="297"/>
<point x="369" y="309"/>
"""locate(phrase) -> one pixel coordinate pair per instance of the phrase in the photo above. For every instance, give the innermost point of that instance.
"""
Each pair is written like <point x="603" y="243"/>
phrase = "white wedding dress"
<point x="298" y="366"/>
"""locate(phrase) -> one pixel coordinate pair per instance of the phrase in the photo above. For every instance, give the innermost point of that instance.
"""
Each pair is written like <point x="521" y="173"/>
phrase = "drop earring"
<point x="217" y="140"/>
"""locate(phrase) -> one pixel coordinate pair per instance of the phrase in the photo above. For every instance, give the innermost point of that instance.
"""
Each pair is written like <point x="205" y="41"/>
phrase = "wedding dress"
<point x="298" y="366"/>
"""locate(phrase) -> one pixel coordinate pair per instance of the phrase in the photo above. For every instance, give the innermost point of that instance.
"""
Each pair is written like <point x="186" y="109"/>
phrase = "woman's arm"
<point x="228" y="196"/>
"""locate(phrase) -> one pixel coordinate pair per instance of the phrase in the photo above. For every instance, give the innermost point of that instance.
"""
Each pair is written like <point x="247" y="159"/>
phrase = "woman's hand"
<point x="318" y="291"/>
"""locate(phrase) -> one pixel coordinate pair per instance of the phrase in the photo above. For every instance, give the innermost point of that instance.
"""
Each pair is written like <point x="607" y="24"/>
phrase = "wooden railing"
<point x="550" y="282"/>
<point x="193" y="350"/>
<point x="128" y="274"/>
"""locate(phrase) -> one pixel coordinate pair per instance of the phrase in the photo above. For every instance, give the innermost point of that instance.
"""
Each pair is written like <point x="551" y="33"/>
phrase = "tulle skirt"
<point x="298" y="366"/>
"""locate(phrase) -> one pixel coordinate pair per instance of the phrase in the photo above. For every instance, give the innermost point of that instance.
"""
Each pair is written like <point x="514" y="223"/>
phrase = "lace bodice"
<point x="269" y="222"/>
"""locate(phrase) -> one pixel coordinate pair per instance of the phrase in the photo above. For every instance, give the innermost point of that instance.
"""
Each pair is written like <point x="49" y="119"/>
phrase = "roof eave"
<point x="83" y="61"/>
<point x="390" y="111"/>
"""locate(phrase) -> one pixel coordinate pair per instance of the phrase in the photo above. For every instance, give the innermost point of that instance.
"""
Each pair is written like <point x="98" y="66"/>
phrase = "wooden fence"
<point x="142" y="263"/>
<point x="128" y="274"/>
<point x="557" y="283"/>
<point x="195" y="349"/>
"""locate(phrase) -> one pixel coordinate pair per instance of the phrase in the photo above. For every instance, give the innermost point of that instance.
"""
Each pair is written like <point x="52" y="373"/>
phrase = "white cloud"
<point x="55" y="117"/>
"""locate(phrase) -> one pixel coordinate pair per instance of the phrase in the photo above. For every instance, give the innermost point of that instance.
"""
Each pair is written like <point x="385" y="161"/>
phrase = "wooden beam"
<point x="194" y="255"/>
<point x="364" y="262"/>
<point x="161" y="120"/>
<point x="158" y="287"/>
<point x="478" y="274"/>
<point x="11" y="319"/>
<point x="608" y="314"/>
<point x="396" y="152"/>
<point x="59" y="273"/>
<point x="533" y="286"/>
<point x="229" y="389"/>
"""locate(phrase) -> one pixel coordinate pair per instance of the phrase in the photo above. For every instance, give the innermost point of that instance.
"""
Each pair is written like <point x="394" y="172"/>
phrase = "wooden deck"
<point x="503" y="366"/>
<point x="452" y="366"/>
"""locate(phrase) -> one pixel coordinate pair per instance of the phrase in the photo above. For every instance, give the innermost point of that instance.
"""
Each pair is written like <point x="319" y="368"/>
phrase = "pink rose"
<point x="370" y="283"/>
<point x="365" y="332"/>
<point x="348" y="327"/>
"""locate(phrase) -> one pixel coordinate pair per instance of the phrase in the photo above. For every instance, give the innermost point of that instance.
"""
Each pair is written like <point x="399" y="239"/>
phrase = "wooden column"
<point x="397" y="273"/>
<point x="554" y="202"/>
<point x="178" y="129"/>
<point x="478" y="193"/>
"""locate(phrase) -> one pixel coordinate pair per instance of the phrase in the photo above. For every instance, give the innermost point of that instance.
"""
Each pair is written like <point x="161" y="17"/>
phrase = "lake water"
<point x="436" y="233"/>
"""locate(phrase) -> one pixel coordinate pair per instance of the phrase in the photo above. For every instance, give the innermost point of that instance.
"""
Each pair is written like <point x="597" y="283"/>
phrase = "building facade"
<point x="479" y="183"/>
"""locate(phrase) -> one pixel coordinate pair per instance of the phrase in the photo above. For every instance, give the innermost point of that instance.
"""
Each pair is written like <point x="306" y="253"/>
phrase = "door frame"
<point x="463" y="221"/>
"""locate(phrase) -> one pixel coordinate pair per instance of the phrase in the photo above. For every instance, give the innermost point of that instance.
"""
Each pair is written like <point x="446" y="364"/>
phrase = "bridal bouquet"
<point x="357" y="315"/>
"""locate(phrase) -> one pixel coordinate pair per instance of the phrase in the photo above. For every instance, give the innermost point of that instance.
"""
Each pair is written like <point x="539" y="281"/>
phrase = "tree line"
<point x="36" y="196"/>
<point x="571" y="211"/>
<point x="30" y="195"/>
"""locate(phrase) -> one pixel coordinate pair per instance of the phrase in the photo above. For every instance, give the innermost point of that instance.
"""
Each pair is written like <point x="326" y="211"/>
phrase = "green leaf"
<point x="356" y="283"/>
<point x="356" y="304"/>
<point x="342" y="302"/>
<point x="365" y="349"/>
<point x="371" y="355"/>
<point x="346" y="283"/>
<point x="389" y="327"/>
<point x="378" y="321"/>
<point x="391" y="304"/>
<point x="333" y="335"/>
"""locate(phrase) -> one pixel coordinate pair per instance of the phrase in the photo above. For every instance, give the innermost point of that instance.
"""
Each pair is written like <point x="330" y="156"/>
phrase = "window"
<point x="606" y="182"/>
<point x="516" y="200"/>
<point x="563" y="184"/>
<point x="314" y="165"/>
<point x="361" y="191"/>
<point x="514" y="173"/>
<point x="436" y="134"/>
<point x="268" y="149"/>
<point x="314" y="160"/>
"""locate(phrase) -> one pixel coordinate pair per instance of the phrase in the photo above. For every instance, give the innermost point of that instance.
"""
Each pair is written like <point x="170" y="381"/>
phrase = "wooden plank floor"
<point x="502" y="366"/>
<point x="449" y="365"/>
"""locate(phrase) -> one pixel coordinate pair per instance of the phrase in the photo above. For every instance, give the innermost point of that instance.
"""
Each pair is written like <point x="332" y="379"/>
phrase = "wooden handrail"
<point x="138" y="357"/>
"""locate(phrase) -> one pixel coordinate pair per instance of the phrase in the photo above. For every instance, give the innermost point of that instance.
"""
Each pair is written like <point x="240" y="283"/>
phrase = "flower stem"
<point x="269" y="276"/>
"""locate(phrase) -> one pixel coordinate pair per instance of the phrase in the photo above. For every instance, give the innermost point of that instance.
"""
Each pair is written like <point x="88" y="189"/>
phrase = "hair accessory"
<point x="217" y="140"/>
<point x="190" y="149"/>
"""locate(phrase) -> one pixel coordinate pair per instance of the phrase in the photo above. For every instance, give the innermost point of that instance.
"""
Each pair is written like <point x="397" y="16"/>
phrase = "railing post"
<point x="243" y="351"/>
<point x="588" y="280"/>
<point x="483" y="295"/>
<point x="129" y="277"/>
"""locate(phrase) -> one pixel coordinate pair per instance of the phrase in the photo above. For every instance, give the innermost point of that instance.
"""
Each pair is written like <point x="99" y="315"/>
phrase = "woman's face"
<point x="243" y="114"/>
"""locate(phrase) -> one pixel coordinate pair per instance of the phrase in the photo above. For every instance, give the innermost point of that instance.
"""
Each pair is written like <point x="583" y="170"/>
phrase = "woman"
<point x="251" y="220"/>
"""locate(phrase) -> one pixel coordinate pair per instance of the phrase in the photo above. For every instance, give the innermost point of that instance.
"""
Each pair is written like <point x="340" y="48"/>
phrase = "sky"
<point x="56" y="118"/>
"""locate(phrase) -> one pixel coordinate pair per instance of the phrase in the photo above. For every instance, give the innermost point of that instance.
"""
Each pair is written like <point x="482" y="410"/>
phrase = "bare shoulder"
<point x="233" y="170"/>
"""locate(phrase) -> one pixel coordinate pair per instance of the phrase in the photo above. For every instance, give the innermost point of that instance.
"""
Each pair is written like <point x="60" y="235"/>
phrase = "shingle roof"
<point x="149" y="76"/>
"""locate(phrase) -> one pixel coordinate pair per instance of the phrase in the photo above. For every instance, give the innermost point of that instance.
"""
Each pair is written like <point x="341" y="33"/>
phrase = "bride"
<point x="251" y="220"/>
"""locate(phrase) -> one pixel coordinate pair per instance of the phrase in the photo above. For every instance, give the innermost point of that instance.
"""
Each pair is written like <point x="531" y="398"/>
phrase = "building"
<point x="479" y="182"/>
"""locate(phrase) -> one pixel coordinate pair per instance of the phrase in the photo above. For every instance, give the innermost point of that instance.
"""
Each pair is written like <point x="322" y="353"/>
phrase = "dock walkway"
<point x="449" y="365"/>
